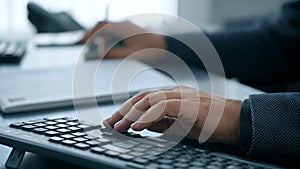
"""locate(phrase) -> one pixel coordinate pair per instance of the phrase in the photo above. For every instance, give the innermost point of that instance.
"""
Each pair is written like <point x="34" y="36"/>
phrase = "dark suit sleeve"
<point x="275" y="125"/>
<point x="266" y="52"/>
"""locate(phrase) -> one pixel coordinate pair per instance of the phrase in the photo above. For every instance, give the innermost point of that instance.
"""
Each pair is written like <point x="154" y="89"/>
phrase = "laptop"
<point x="92" y="81"/>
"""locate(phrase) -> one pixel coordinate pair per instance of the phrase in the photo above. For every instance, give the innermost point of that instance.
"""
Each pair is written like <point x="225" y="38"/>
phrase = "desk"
<point x="48" y="58"/>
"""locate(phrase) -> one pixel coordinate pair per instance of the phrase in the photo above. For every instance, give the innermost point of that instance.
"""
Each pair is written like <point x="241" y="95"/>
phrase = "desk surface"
<point x="37" y="58"/>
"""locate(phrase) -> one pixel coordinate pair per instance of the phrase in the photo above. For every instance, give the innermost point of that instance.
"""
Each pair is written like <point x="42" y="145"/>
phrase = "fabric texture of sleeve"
<point x="275" y="125"/>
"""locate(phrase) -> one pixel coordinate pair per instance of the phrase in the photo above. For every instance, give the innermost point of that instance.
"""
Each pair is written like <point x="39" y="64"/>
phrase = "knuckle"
<point x="162" y="104"/>
<point x="173" y="102"/>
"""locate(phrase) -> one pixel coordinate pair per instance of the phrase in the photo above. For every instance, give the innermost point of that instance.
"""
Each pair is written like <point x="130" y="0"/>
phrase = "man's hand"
<point x="158" y="110"/>
<point x="142" y="39"/>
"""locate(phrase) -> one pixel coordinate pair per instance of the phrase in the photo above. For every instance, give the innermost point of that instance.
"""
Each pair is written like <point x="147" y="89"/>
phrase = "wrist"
<point x="228" y="129"/>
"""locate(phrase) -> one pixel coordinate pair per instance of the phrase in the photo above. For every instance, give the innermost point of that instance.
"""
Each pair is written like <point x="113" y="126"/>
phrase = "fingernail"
<point x="117" y="124"/>
<point x="135" y="125"/>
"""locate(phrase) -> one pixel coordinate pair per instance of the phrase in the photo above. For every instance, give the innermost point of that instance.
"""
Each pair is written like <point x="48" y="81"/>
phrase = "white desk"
<point x="38" y="58"/>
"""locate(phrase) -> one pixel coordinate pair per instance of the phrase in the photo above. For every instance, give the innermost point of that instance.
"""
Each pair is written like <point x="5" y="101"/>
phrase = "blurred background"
<point x="205" y="14"/>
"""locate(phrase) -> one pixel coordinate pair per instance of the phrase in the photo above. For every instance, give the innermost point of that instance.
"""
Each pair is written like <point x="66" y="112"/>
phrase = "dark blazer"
<point x="265" y="53"/>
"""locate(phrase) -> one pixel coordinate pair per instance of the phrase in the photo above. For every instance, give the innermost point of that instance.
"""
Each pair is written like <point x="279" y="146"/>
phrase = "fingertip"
<point x="135" y="126"/>
<point x="119" y="127"/>
<point x="106" y="122"/>
<point x="139" y="126"/>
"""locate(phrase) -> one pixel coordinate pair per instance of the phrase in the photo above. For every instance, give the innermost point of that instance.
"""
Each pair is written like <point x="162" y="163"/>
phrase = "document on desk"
<point x="26" y="90"/>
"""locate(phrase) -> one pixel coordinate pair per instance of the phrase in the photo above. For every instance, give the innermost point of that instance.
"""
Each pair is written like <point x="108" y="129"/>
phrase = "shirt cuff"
<point x="245" y="126"/>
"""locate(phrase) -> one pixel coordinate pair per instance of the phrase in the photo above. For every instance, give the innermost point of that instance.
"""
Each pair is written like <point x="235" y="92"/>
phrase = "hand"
<point x="158" y="110"/>
<point x="143" y="40"/>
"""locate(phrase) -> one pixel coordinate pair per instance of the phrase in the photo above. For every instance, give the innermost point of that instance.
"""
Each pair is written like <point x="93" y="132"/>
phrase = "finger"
<point x="156" y="113"/>
<point x="91" y="32"/>
<point x="135" y="107"/>
<point x="138" y="109"/>
<point x="161" y="125"/>
<point x="124" y="109"/>
<point x="146" y="102"/>
<point x="119" y="52"/>
<point x="141" y="103"/>
<point x="153" y="98"/>
<point x="185" y="110"/>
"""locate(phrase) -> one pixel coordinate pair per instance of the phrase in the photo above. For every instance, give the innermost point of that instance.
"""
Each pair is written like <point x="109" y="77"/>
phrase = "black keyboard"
<point x="12" y="51"/>
<point x="93" y="145"/>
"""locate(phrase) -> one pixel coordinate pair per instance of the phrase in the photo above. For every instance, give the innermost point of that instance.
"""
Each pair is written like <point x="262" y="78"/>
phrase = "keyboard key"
<point x="217" y="163"/>
<point x="56" y="139"/>
<point x="136" y="154"/>
<point x="107" y="133"/>
<point x="152" y="158"/>
<point x="74" y="129"/>
<point x="28" y="127"/>
<point x="61" y="121"/>
<point x="39" y="130"/>
<point x="146" y="146"/>
<point x="153" y="153"/>
<point x="169" y="157"/>
<point x="139" y="149"/>
<point x="164" y="166"/>
<point x="180" y="165"/>
<point x="72" y="123"/>
<point x="91" y="137"/>
<point x="126" y="144"/>
<point x="140" y="161"/>
<point x="82" y="146"/>
<point x="182" y="160"/>
<point x="104" y="141"/>
<point x="126" y="157"/>
<point x="71" y="119"/>
<point x="51" y="133"/>
<point x="92" y="143"/>
<point x="112" y="153"/>
<point x="160" y="140"/>
<point x="67" y="136"/>
<point x="51" y="127"/>
<point x="68" y="142"/>
<point x="80" y="139"/>
<point x="98" y="150"/>
<point x="50" y="123"/>
<point x="62" y="126"/>
<point x="198" y="164"/>
<point x="29" y="122"/>
<point x="79" y="134"/>
<point x="63" y="131"/>
<point x="40" y="124"/>
<point x="116" y="149"/>
<point x="165" y="161"/>
<point x="84" y="127"/>
<point x="17" y="125"/>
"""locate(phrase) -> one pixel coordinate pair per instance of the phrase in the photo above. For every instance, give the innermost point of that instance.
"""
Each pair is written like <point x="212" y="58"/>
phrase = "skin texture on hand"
<point x="131" y="44"/>
<point x="158" y="110"/>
